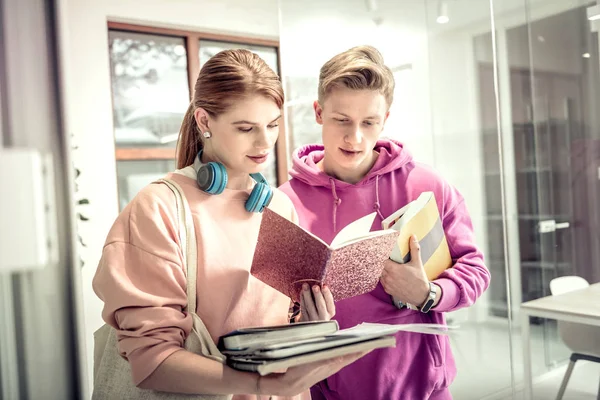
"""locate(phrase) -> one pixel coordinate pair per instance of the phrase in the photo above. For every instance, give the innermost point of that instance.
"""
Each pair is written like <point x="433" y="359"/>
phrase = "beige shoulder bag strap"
<point x="187" y="238"/>
<point x="199" y="341"/>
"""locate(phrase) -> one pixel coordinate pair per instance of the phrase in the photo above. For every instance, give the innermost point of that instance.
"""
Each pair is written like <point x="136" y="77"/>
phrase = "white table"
<point x="580" y="306"/>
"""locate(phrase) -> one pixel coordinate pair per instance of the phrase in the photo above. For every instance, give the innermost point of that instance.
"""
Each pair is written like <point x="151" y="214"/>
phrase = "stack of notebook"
<point x="274" y="349"/>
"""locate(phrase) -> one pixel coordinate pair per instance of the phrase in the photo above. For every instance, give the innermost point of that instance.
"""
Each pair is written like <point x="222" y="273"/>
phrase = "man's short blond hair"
<point x="359" y="68"/>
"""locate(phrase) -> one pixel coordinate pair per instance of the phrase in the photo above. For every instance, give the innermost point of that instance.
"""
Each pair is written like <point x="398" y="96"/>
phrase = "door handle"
<point x="551" y="225"/>
<point x="562" y="225"/>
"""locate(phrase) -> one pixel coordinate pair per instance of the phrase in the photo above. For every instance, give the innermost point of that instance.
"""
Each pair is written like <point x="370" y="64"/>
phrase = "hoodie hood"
<point x="392" y="156"/>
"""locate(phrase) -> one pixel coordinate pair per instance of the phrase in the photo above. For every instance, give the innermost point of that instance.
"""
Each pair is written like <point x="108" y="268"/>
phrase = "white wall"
<point x="313" y="31"/>
<point x="88" y="110"/>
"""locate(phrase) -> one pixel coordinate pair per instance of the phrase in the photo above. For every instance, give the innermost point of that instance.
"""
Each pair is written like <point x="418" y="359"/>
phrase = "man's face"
<point x="352" y="122"/>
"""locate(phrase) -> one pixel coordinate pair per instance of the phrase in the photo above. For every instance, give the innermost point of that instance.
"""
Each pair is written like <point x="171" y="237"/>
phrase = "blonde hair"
<point x="228" y="76"/>
<point x="359" y="68"/>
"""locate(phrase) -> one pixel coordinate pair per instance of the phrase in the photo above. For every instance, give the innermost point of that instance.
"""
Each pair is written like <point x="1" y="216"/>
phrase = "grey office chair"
<point x="582" y="340"/>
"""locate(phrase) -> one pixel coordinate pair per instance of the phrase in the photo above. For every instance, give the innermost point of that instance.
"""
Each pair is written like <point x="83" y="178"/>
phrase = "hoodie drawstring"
<point x="336" y="202"/>
<point x="377" y="206"/>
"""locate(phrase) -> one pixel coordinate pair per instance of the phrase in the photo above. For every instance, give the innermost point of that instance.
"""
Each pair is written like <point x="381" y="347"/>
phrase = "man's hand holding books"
<point x="407" y="282"/>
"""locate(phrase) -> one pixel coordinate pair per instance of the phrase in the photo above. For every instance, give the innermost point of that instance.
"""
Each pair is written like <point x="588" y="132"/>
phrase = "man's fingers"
<point x="415" y="250"/>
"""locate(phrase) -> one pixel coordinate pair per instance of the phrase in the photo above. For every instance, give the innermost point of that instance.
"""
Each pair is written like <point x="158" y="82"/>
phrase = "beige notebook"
<point x="421" y="218"/>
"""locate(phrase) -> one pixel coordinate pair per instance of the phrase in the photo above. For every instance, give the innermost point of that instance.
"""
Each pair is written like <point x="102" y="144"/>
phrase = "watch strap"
<point x="426" y="306"/>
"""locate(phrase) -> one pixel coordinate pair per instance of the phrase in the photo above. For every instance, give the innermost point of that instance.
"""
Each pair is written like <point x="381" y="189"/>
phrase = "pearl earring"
<point x="207" y="134"/>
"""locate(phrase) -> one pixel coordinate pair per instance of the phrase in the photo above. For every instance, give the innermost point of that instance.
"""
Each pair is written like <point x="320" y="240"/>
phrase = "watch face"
<point x="427" y="306"/>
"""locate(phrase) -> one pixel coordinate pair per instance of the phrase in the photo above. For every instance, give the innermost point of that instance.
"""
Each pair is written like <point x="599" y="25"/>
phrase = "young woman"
<point x="232" y="122"/>
<point x="353" y="174"/>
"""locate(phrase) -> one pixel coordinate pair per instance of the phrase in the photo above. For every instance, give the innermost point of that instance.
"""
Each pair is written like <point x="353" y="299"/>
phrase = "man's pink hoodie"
<point x="420" y="366"/>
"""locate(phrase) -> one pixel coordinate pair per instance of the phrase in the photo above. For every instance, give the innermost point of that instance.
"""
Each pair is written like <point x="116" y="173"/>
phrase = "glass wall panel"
<point x="501" y="98"/>
<point x="445" y="113"/>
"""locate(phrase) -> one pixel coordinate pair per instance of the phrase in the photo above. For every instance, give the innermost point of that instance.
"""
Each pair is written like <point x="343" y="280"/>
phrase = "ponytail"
<point x="189" y="142"/>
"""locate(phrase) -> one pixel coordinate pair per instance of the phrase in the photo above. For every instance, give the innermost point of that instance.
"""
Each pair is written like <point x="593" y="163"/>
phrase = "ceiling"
<point x="418" y="14"/>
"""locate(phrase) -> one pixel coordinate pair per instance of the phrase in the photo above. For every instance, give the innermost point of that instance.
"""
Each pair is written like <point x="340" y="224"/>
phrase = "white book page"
<point x="393" y="220"/>
<point x="355" y="230"/>
<point x="417" y="206"/>
<point x="367" y="329"/>
<point x="402" y="216"/>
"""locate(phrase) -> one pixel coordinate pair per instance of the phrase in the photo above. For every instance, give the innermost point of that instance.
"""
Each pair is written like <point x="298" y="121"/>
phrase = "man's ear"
<point x="318" y="112"/>
<point x="201" y="117"/>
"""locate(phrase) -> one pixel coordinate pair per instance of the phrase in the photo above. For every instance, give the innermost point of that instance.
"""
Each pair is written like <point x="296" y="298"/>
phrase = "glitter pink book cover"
<point x="287" y="256"/>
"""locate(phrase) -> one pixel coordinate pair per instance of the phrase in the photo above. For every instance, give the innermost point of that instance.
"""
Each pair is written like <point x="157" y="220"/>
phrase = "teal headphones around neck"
<point x="212" y="179"/>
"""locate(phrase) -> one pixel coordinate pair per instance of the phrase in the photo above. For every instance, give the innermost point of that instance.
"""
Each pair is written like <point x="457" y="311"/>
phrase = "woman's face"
<point x="243" y="137"/>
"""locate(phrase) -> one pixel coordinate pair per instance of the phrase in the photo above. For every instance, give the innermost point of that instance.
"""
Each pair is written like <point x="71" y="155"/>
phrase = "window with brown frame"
<point x="153" y="71"/>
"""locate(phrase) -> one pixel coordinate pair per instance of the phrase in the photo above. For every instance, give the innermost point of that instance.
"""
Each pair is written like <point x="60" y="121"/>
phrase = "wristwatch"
<point x="426" y="306"/>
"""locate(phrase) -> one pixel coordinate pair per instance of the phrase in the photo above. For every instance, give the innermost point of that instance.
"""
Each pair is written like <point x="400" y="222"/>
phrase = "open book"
<point x="268" y="357"/>
<point x="421" y="218"/>
<point x="286" y="256"/>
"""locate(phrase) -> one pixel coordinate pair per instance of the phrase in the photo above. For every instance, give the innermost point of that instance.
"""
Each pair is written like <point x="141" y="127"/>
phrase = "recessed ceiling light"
<point x="442" y="15"/>
<point x="371" y="5"/>
<point x="585" y="55"/>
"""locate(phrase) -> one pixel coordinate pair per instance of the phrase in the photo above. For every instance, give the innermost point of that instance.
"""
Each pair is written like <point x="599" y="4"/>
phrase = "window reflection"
<point x="149" y="88"/>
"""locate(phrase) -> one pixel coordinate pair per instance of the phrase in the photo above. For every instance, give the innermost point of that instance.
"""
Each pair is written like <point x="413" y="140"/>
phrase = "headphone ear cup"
<point x="260" y="197"/>
<point x="220" y="177"/>
<point x="212" y="178"/>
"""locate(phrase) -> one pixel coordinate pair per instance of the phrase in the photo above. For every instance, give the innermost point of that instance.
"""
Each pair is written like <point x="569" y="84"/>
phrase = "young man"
<point x="353" y="174"/>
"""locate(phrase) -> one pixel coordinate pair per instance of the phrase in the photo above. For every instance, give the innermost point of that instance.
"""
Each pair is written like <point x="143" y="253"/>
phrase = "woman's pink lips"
<point x="259" y="159"/>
